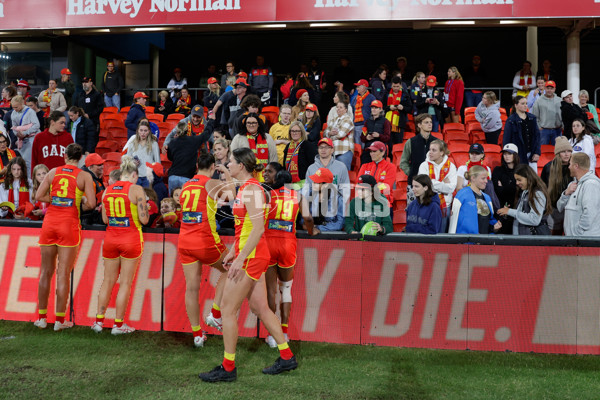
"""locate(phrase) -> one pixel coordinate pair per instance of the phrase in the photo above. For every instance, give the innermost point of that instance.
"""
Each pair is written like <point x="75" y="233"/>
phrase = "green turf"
<point x="79" y="364"/>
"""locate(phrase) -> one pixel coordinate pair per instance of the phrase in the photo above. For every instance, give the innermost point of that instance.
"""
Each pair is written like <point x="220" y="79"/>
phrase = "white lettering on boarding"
<point x="392" y="4"/>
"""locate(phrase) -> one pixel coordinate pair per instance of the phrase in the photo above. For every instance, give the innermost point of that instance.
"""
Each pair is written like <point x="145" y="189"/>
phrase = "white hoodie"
<point x="441" y="187"/>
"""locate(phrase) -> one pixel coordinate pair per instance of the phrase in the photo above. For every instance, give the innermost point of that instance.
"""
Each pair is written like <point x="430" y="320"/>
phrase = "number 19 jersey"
<point x="281" y="227"/>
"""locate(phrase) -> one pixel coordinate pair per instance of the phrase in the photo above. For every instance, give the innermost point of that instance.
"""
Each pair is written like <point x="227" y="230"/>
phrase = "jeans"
<point x="114" y="101"/>
<point x="346" y="158"/>
<point x="435" y="124"/>
<point x="143" y="181"/>
<point x="472" y="99"/>
<point x="548" y="136"/>
<point x="358" y="134"/>
<point x="176" y="182"/>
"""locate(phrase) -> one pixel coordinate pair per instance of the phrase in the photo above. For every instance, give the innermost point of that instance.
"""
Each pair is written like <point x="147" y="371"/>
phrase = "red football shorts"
<point x="283" y="253"/>
<point x="114" y="249"/>
<point x="206" y="256"/>
<point x="64" y="234"/>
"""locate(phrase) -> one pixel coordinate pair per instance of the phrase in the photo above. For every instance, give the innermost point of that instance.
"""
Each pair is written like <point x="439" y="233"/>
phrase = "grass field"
<point x="79" y="364"/>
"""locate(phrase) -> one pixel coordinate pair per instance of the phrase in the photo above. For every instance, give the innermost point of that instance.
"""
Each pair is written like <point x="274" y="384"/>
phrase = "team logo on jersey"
<point x="67" y="170"/>
<point x="118" y="222"/>
<point x="62" y="201"/>
<point x="190" y="217"/>
<point x="279" y="225"/>
<point x="118" y="187"/>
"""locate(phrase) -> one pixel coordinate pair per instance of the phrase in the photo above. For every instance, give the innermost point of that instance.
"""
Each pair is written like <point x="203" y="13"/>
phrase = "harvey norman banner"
<point x="55" y="14"/>
<point x="540" y="299"/>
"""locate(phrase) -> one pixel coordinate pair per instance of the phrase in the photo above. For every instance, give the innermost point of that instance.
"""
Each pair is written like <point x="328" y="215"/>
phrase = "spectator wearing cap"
<point x="521" y="128"/>
<point x="376" y="128"/>
<point x="23" y="88"/>
<point x="476" y="156"/>
<point x="505" y="186"/>
<point x="312" y="122"/>
<point x="49" y="146"/>
<point x="341" y="132"/>
<point x="302" y="84"/>
<point x="523" y="81"/>
<point x="369" y="205"/>
<point x="90" y="101"/>
<point x="556" y="176"/>
<point x="424" y="214"/>
<point x="261" y="80"/>
<point x="176" y="83"/>
<point x="454" y="92"/>
<point x="383" y="171"/>
<point x="299" y="153"/>
<point x="165" y="105"/>
<point x="66" y="86"/>
<point x="415" y="151"/>
<point x="52" y="99"/>
<point x="547" y="111"/>
<point x="581" y="200"/>
<point x="488" y="115"/>
<point x="212" y="95"/>
<point x="136" y="113"/>
<point x="194" y="124"/>
<point x="569" y="112"/>
<point x="112" y="84"/>
<point x="94" y="165"/>
<point x="361" y="101"/>
<point x="25" y="125"/>
<point x="398" y="104"/>
<point x="280" y="132"/>
<point x="303" y="99"/>
<point x="430" y="101"/>
<point x="326" y="204"/>
<point x="82" y="130"/>
<point x="230" y="101"/>
<point x="184" y="102"/>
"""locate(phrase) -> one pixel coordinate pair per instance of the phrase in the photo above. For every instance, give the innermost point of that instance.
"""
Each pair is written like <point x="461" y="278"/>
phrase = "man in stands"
<point x="475" y="78"/>
<point x="194" y="123"/>
<point x="66" y="86"/>
<point x="23" y="88"/>
<point x="94" y="164"/>
<point x="231" y="102"/>
<point x="316" y="77"/>
<point x="361" y="104"/>
<point x="430" y="101"/>
<point x="90" y="100"/>
<point x="399" y="104"/>
<point x="229" y="75"/>
<point x="547" y="111"/>
<point x="381" y="169"/>
<point x="261" y="80"/>
<point x="280" y="132"/>
<point x="112" y="84"/>
<point x="581" y="200"/>
<point x="250" y="104"/>
<point x="52" y="99"/>
<point x="523" y="81"/>
<point x="49" y="146"/>
<point x="136" y="113"/>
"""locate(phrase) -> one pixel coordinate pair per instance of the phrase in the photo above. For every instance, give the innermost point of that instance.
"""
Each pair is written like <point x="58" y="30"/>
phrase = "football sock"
<point x="229" y="362"/>
<point x="118" y="323"/>
<point x="216" y="311"/>
<point x="197" y="330"/>
<point x="60" y="317"/>
<point x="284" y="328"/>
<point x="42" y="313"/>
<point x="284" y="351"/>
<point x="100" y="318"/>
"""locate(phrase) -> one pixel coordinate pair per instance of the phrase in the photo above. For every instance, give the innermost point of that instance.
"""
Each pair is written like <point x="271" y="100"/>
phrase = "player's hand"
<point x="235" y="271"/>
<point x="227" y="260"/>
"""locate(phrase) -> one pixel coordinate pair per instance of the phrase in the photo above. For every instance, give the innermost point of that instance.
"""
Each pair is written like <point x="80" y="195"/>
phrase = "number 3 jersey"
<point x="123" y="221"/>
<point x="65" y="196"/>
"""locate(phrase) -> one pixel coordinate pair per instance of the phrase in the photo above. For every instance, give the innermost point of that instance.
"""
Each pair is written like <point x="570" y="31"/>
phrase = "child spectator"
<point x="39" y="208"/>
<point x="369" y="206"/>
<point x="152" y="201"/>
<point x="168" y="217"/>
<point x="424" y="214"/>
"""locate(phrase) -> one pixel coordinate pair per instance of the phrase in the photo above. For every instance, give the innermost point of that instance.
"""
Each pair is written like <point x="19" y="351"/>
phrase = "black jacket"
<point x="183" y="152"/>
<point x="85" y="134"/>
<point x="505" y="185"/>
<point x="314" y="135"/>
<point x="306" y="156"/>
<point x="169" y="107"/>
<point x="422" y="106"/>
<point x="570" y="112"/>
<point x="112" y="83"/>
<point x="92" y="107"/>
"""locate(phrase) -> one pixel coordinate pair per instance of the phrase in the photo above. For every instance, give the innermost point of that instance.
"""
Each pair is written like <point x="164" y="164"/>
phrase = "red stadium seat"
<point x="437" y="135"/>
<point x="461" y="137"/>
<point x="107" y="146"/>
<point x="156" y="118"/>
<point x="113" y="156"/>
<point x="175" y="117"/>
<point x="149" y="110"/>
<point x="453" y="126"/>
<point x="408" y="135"/>
<point x="110" y="110"/>
<point x="470" y="110"/>
<point x="397" y="153"/>
<point x="125" y="110"/>
<point x="470" y="118"/>
<point x="547" y="148"/>
<point x="476" y="136"/>
<point x="401" y="176"/>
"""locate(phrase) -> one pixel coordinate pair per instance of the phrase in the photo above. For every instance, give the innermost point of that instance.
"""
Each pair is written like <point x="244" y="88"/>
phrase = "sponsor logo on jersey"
<point x="279" y="225"/>
<point x="190" y="217"/>
<point x="62" y="201"/>
<point x="118" y="222"/>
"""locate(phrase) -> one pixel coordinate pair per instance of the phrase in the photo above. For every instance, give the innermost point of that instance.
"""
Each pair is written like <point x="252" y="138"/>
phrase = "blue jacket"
<point x="424" y="219"/>
<point x="136" y="112"/>
<point x="466" y="217"/>
<point x="366" y="107"/>
<point x="513" y="134"/>
<point x="334" y="218"/>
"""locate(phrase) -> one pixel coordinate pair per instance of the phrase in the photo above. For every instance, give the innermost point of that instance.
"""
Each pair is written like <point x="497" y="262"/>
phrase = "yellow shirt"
<point x="279" y="132"/>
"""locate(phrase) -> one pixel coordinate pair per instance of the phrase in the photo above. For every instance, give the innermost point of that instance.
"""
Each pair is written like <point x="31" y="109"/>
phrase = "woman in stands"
<point x="85" y="130"/>
<point x="533" y="208"/>
<point x="143" y="149"/>
<point x="472" y="210"/>
<point x="582" y="141"/>
<point x="424" y="215"/>
<point x="312" y="122"/>
<point x="16" y="189"/>
<point x="341" y="132"/>
<point x="165" y="104"/>
<point x="299" y="154"/>
<point x="442" y="172"/>
<point x="298" y="110"/>
<point x="557" y="177"/>
<point x="333" y="114"/>
<point x="66" y="188"/>
<point x="476" y="157"/>
<point x="379" y="84"/>
<point x="221" y="152"/>
<point x="199" y="243"/>
<point x="488" y="115"/>
<point x="280" y="233"/>
<point x="124" y="211"/>
<point x="302" y="84"/>
<point x="256" y="139"/>
<point x="246" y="262"/>
<point x="584" y="98"/>
<point x="454" y="92"/>
<point x="504" y="182"/>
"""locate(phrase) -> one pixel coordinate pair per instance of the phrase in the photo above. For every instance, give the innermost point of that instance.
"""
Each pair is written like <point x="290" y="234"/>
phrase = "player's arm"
<point x="140" y="200"/>
<point x="308" y="219"/>
<point x="104" y="216"/>
<point x="43" y="192"/>
<point x="89" y="191"/>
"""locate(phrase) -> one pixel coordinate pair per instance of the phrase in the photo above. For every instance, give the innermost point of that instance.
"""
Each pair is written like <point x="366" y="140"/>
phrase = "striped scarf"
<point x="443" y="173"/>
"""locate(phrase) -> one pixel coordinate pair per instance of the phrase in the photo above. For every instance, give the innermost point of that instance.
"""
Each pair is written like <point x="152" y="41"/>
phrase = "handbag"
<point x="541" y="229"/>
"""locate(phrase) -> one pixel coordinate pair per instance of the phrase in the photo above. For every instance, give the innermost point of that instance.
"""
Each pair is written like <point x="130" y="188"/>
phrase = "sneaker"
<point x="97" y="327"/>
<point x="65" y="325"/>
<point x="41" y="323"/>
<point x="270" y="340"/>
<point x="199" y="340"/>
<point x="214" y="322"/>
<point x="281" y="365"/>
<point x="122" y="330"/>
<point x="218" y="374"/>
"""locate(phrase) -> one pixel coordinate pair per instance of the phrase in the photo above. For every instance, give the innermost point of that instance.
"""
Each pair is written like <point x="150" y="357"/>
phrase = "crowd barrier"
<point x="447" y="292"/>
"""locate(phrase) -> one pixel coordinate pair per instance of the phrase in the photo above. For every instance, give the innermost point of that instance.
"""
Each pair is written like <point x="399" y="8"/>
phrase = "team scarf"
<point x="190" y="132"/>
<point x="358" y="115"/>
<point x="471" y="164"/>
<point x="188" y="103"/>
<point x="291" y="161"/>
<point x="47" y="98"/>
<point x="394" y="116"/>
<point x="259" y="147"/>
<point x="10" y="154"/>
<point x="23" y="195"/>
<point x="522" y="79"/>
<point x="443" y="173"/>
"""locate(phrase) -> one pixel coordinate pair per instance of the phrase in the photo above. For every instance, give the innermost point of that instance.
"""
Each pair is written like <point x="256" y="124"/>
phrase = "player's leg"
<point x="47" y="268"/>
<point x="127" y="274"/>
<point x="193" y="279"/>
<point x="67" y="256"/>
<point x="111" y="274"/>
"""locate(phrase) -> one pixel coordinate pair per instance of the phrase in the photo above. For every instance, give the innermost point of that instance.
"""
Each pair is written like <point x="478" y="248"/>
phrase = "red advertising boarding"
<point x="478" y="297"/>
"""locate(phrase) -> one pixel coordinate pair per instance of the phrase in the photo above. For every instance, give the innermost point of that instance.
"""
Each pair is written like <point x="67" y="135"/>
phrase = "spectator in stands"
<point x="381" y="169"/>
<point x="442" y="172"/>
<point x="211" y="71"/>
<point x="361" y="101"/>
<point x="32" y="103"/>
<point x="523" y="81"/>
<point x="51" y="99"/>
<point x="229" y="77"/>
<point x="341" y="131"/>
<point x="256" y="139"/>
<point x="316" y="77"/>
<point x="280" y="131"/>
<point x="547" y="72"/>
<point x="570" y="112"/>
<point x="302" y="85"/>
<point x="23" y="88"/>
<point x="343" y="76"/>
<point x="250" y="104"/>
<point x="533" y="208"/>
<point x="431" y="101"/>
<point x="312" y="122"/>
<point x="431" y="70"/>
<point x="472" y="210"/>
<point x="454" y="92"/>
<point x="25" y="126"/>
<point x="415" y="150"/>
<point x="547" y="111"/>
<point x="82" y="130"/>
<point x="584" y="98"/>
<point x="368" y="207"/>
<point x="505" y="186"/>
<point x="6" y="154"/>
<point x="16" y="189"/>
<point x="537" y="92"/>
<point x="261" y="80"/>
<point x="582" y="141"/>
<point x="212" y="95"/>
<point x="402" y="66"/>
<point x="299" y="153"/>
<point x="556" y="176"/>
<point x="376" y="128"/>
<point x="94" y="165"/>
<point x="8" y="92"/>
<point x="165" y="104"/>
<point x="303" y="99"/>
<point x="231" y="103"/>
<point x="521" y="128"/>
<point x="344" y="98"/>
<point x="325" y="159"/>
<point x="326" y="204"/>
<point x="286" y="88"/>
<point x="194" y="124"/>
<point x="143" y="149"/>
<point x="581" y="200"/>
<point x="474" y="78"/>
<point x="66" y="86"/>
<point x="379" y="84"/>
<point x="40" y="207"/>
<point x="398" y="104"/>
<point x="417" y="87"/>
<point x="176" y="83"/>
<point x="90" y="101"/>
<point x="488" y="115"/>
<point x="182" y="151"/>
<point x="424" y="215"/>
<point x="184" y="102"/>
<point x="135" y="114"/>
<point x="476" y="156"/>
<point x="112" y="84"/>
<point x="221" y="153"/>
